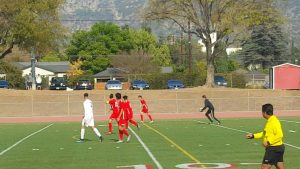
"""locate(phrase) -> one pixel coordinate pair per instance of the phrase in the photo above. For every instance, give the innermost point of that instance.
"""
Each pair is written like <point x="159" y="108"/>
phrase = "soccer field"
<point x="164" y="144"/>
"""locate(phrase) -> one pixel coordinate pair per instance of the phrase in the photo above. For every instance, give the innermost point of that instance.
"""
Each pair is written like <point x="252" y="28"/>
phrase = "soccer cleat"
<point x="80" y="141"/>
<point x="120" y="141"/>
<point x="128" y="138"/>
<point x="101" y="139"/>
<point x="151" y="121"/>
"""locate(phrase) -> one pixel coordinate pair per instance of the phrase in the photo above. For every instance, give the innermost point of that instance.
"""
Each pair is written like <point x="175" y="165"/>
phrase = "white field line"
<point x="20" y="141"/>
<point x="147" y="149"/>
<point x="242" y="131"/>
<point x="292" y="146"/>
<point x="290" y="121"/>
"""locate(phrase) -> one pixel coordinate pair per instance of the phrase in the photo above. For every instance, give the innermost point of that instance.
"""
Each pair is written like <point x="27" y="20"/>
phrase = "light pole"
<point x="33" y="69"/>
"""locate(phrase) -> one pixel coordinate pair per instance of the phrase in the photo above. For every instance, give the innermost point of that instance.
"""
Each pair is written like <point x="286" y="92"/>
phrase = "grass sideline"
<point x="172" y="142"/>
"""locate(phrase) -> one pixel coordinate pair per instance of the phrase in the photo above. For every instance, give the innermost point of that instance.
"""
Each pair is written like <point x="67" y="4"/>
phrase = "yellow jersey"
<point x="272" y="132"/>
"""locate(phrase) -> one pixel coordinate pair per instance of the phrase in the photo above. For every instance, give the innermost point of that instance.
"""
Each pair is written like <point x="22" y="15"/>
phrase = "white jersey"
<point x="88" y="108"/>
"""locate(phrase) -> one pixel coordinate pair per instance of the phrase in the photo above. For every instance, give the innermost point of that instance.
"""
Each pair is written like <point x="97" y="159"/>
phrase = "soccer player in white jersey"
<point x="88" y="118"/>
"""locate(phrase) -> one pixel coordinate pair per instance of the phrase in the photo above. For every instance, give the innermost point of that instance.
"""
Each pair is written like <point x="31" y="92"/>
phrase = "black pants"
<point x="212" y="113"/>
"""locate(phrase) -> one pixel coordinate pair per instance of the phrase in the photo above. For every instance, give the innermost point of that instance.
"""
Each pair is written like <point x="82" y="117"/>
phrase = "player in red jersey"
<point x="122" y="120"/>
<point x="144" y="109"/>
<point x="128" y="110"/>
<point x="114" y="114"/>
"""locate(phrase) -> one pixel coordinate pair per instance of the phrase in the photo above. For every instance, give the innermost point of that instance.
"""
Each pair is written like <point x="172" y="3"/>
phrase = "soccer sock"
<point x="142" y="118"/>
<point x="82" y="133"/>
<point x="110" y="127"/>
<point x="120" y="134"/>
<point x="125" y="132"/>
<point x="133" y="122"/>
<point x="97" y="132"/>
<point x="150" y="117"/>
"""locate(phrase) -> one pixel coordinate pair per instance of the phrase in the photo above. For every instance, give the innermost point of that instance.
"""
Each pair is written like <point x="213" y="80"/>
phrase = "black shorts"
<point x="273" y="155"/>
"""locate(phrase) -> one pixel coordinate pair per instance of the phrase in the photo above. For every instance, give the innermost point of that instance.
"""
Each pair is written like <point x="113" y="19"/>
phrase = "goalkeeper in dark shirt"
<point x="210" y="111"/>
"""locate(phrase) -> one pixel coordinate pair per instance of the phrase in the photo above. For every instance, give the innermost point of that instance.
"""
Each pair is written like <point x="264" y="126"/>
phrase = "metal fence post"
<point x="68" y="104"/>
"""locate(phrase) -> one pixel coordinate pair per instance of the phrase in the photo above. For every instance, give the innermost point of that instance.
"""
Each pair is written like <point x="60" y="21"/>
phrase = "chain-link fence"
<point x="63" y="103"/>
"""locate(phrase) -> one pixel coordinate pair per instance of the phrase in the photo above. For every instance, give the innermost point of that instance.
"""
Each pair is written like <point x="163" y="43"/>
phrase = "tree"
<point x="102" y="39"/>
<point x="13" y="75"/>
<point x="135" y="63"/>
<point x="205" y="18"/>
<point x="28" y="24"/>
<point x="266" y="47"/>
<point x="53" y="57"/>
<point x="142" y="40"/>
<point x="160" y="55"/>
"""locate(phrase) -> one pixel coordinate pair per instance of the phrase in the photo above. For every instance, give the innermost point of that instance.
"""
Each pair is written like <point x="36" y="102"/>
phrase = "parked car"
<point x="113" y="85"/>
<point x="175" y="84"/>
<point x="83" y="85"/>
<point x="139" y="84"/>
<point x="4" y="84"/>
<point x="220" y="81"/>
<point x="58" y="83"/>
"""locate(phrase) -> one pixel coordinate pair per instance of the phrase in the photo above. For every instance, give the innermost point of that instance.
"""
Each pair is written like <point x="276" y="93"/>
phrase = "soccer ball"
<point x="200" y="109"/>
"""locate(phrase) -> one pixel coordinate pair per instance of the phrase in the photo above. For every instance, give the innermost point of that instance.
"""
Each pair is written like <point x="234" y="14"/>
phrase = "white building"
<point x="45" y="69"/>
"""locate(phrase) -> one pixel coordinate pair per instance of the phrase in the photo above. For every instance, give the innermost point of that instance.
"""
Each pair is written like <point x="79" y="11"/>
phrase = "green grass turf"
<point x="57" y="147"/>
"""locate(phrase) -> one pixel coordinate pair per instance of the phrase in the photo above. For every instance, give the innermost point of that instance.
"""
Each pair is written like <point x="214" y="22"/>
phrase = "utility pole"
<point x="190" y="46"/>
<point x="33" y="69"/>
<point x="181" y="47"/>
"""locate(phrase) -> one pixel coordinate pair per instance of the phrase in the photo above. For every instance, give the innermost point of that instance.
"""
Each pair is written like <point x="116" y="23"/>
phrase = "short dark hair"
<point x="111" y="96"/>
<point x="204" y="96"/>
<point x="125" y="97"/>
<point x="118" y="95"/>
<point x="140" y="96"/>
<point x="267" y="108"/>
<point x="85" y="95"/>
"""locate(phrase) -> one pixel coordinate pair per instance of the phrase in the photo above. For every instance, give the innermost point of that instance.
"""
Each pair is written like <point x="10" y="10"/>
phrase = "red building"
<point x="285" y="76"/>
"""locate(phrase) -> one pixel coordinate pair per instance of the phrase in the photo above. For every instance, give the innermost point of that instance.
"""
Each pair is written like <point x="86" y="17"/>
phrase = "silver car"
<point x="113" y="85"/>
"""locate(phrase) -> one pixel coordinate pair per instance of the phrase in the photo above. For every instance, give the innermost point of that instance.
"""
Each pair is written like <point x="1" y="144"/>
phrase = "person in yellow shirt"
<point x="272" y="139"/>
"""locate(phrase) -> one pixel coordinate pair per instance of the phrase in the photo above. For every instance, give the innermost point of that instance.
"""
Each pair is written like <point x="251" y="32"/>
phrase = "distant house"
<point x="109" y="74"/>
<point x="285" y="76"/>
<point x="45" y="69"/>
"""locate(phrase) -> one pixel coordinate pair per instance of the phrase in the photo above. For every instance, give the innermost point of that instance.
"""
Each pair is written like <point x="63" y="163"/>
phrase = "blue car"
<point x="3" y="84"/>
<point x="139" y="84"/>
<point x="175" y="84"/>
<point x="220" y="81"/>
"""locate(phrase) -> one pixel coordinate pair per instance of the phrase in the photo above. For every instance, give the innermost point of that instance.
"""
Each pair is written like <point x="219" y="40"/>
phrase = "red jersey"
<point x="144" y="106"/>
<point x="127" y="109"/>
<point x="113" y="103"/>
<point x="115" y="108"/>
<point x="123" y="114"/>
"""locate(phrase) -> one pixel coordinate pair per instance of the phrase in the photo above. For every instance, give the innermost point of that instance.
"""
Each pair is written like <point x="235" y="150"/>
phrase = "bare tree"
<point x="213" y="21"/>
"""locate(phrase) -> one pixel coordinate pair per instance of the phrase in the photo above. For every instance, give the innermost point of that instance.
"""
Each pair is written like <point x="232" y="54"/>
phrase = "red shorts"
<point x="114" y="116"/>
<point x="145" y="110"/>
<point x="122" y="122"/>
<point x="130" y="116"/>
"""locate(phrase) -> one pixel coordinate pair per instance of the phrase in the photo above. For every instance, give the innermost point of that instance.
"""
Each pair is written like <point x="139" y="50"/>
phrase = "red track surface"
<point x="44" y="119"/>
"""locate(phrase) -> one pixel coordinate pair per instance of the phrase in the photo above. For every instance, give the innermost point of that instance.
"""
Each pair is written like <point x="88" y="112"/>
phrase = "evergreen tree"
<point x="266" y="47"/>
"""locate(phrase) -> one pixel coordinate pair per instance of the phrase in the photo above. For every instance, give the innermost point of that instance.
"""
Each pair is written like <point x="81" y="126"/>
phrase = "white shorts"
<point x="88" y="122"/>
